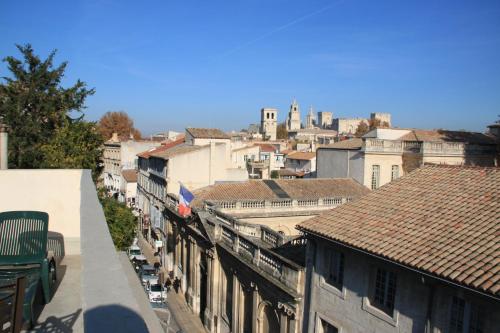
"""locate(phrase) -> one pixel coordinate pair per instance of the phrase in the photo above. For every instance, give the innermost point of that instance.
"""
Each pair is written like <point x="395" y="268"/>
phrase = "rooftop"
<point x="176" y="150"/>
<point x="351" y="144"/>
<point x="280" y="189"/>
<point x="445" y="135"/>
<point x="164" y="146"/>
<point x="299" y="155"/>
<point x="207" y="133"/>
<point x="442" y="220"/>
<point x="97" y="289"/>
<point x="130" y="176"/>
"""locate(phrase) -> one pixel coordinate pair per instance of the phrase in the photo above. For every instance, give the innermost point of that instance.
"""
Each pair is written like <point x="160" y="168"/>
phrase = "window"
<point x="465" y="317"/>
<point x="395" y="172"/>
<point x="326" y="327"/>
<point x="384" y="291"/>
<point x="335" y="269"/>
<point x="272" y="115"/>
<point x="268" y="116"/>
<point x="375" y="176"/>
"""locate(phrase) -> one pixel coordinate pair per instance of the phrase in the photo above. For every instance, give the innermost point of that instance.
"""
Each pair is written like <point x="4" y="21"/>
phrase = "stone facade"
<point x="268" y="123"/>
<point x="310" y="119"/>
<point x="239" y="272"/>
<point x="325" y="119"/>
<point x="421" y="303"/>
<point x="347" y="125"/>
<point x="119" y="155"/>
<point x="293" y="119"/>
<point x="386" y="154"/>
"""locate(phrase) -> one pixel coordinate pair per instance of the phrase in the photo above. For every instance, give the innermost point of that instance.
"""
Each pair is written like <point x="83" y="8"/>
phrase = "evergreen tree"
<point x="35" y="106"/>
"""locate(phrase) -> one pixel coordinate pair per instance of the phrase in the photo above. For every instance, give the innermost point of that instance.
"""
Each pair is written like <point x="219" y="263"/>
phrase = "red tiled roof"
<point x="266" y="147"/>
<point x="276" y="188"/>
<point x="443" y="220"/>
<point x="207" y="133"/>
<point x="165" y="146"/>
<point x="299" y="155"/>
<point x="130" y="176"/>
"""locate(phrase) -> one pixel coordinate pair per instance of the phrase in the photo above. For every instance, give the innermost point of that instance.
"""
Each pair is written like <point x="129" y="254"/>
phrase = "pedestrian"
<point x="168" y="284"/>
<point x="176" y="284"/>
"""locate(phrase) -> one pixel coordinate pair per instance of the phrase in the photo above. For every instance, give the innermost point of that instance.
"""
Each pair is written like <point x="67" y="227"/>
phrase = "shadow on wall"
<point x="113" y="318"/>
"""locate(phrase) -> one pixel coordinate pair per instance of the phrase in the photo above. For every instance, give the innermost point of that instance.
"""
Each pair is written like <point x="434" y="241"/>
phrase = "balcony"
<point x="97" y="288"/>
<point x="258" y="164"/>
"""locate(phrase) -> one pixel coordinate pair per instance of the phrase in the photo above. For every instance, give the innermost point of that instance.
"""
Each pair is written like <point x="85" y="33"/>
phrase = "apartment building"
<point x="121" y="155"/>
<point x="240" y="259"/>
<point x="418" y="255"/>
<point x="383" y="155"/>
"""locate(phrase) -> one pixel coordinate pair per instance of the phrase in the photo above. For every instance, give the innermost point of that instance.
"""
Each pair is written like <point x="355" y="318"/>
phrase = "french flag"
<point x="185" y="198"/>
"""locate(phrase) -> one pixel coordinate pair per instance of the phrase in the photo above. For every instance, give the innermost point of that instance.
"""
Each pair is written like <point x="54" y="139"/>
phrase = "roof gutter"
<point x="399" y="264"/>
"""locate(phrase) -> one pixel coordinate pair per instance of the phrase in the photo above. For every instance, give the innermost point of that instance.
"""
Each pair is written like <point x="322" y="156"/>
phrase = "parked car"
<point x="156" y="292"/>
<point x="138" y="262"/>
<point x="134" y="251"/>
<point x="148" y="272"/>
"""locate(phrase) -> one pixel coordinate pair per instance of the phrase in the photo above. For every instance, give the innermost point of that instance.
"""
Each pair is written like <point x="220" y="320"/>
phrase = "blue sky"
<point x="172" y="64"/>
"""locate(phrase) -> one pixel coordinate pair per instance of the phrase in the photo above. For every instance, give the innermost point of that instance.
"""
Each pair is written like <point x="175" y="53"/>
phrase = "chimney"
<point x="3" y="146"/>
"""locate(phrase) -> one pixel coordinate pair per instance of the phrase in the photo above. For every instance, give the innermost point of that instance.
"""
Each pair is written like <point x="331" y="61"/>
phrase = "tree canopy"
<point x="281" y="132"/>
<point x="121" y="222"/>
<point x="373" y="123"/>
<point x="45" y="120"/>
<point x="118" y="122"/>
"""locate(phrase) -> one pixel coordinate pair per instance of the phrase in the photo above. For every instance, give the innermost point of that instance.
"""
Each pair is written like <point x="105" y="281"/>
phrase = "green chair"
<point x="23" y="252"/>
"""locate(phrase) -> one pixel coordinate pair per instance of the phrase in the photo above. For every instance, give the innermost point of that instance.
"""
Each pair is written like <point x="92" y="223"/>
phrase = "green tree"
<point x="76" y="145"/>
<point x="121" y="222"/>
<point x="35" y="105"/>
<point x="281" y="132"/>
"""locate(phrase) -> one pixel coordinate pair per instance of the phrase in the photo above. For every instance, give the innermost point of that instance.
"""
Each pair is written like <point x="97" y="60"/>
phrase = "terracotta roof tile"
<point x="445" y="135"/>
<point x="130" y="176"/>
<point x="441" y="219"/>
<point x="280" y="188"/>
<point x="207" y="133"/>
<point x="164" y="146"/>
<point x="299" y="155"/>
<point x="351" y="144"/>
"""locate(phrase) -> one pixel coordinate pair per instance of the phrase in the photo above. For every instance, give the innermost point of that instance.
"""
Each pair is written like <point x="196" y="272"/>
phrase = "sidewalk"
<point x="188" y="321"/>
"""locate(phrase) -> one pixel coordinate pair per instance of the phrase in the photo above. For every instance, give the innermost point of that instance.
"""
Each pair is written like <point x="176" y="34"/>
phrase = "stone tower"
<point x="325" y="119"/>
<point x="293" y="120"/>
<point x="310" y="119"/>
<point x="268" y="123"/>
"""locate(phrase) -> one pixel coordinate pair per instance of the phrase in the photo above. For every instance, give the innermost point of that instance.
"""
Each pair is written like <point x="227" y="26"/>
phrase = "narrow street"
<point x="182" y="317"/>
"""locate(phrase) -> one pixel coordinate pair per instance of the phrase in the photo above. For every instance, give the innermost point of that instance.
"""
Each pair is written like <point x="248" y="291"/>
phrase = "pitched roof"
<point x="299" y="155"/>
<point x="177" y="150"/>
<point x="165" y="146"/>
<point x="266" y="147"/>
<point x="448" y="136"/>
<point x="280" y="189"/>
<point x="351" y="144"/>
<point x="443" y="220"/>
<point x="130" y="176"/>
<point x="207" y="133"/>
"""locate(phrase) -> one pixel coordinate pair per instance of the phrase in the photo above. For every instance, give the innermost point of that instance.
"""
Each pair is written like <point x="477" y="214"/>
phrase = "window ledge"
<point x="393" y="321"/>
<point x="341" y="293"/>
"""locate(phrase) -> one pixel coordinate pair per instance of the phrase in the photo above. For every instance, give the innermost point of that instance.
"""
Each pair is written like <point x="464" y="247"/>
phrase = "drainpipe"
<point x="3" y="146"/>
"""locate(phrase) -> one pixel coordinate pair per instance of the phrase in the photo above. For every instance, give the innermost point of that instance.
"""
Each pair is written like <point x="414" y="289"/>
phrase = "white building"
<point x="310" y="119"/>
<point x="325" y="119"/>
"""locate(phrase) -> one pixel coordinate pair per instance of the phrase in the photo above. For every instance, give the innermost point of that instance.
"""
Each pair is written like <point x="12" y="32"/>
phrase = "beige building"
<point x="347" y="125"/>
<point x="128" y="189"/>
<point x="239" y="259"/>
<point x="201" y="158"/>
<point x="119" y="155"/>
<point x="268" y="123"/>
<point x="302" y="162"/>
<point x="383" y="155"/>
<point x="310" y="119"/>
<point x="325" y="119"/>
<point x="293" y="119"/>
